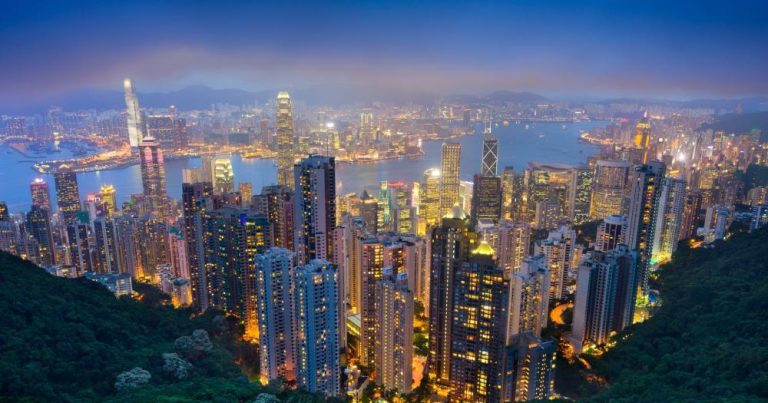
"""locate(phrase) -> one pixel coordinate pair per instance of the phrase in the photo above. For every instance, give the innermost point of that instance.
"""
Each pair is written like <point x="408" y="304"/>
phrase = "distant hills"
<point x="740" y="123"/>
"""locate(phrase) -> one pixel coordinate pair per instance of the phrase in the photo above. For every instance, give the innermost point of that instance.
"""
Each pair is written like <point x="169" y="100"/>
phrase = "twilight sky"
<point x="675" y="49"/>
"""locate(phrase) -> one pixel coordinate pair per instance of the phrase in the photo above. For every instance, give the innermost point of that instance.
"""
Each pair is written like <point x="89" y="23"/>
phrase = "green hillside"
<point x="70" y="340"/>
<point x="709" y="341"/>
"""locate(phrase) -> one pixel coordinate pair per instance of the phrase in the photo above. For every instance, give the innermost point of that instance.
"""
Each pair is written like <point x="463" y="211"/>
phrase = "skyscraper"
<point x="611" y="232"/>
<point x="511" y="242"/>
<point x="107" y="245"/>
<point x="669" y="217"/>
<point x="478" y="329"/>
<point x="450" y="169"/>
<point x="642" y="140"/>
<point x="450" y="245"/>
<point x="315" y="208"/>
<point x="317" y="328"/>
<point x="644" y="199"/>
<point x="536" y="368"/>
<point x="41" y="196"/>
<point x="285" y="139"/>
<point x="108" y="198"/>
<point x="38" y="224"/>
<point x="508" y="179"/>
<point x="367" y="131"/>
<point x="528" y="298"/>
<point x="153" y="176"/>
<point x="274" y="304"/>
<point x="606" y="291"/>
<point x="371" y="272"/>
<point x="608" y="189"/>
<point x="394" y="331"/>
<point x="558" y="249"/>
<point x="486" y="199"/>
<point x="192" y="197"/>
<point x="67" y="193"/>
<point x="133" y="115"/>
<point x="490" y="158"/>
<point x="430" y="197"/>
<point x="223" y="176"/>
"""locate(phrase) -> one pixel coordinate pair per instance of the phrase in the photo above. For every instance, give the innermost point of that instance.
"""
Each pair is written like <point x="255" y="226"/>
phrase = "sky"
<point x="673" y="49"/>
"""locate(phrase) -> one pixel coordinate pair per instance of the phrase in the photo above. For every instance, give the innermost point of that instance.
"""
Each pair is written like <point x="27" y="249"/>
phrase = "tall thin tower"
<point x="284" y="122"/>
<point x="490" y="160"/>
<point x="451" y="169"/>
<point x="153" y="174"/>
<point x="135" y="125"/>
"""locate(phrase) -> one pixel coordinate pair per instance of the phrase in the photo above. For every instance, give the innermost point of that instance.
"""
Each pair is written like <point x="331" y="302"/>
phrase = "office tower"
<point x="107" y="245"/>
<point x="285" y="139"/>
<point x="536" y="368"/>
<point x="315" y="208"/>
<point x="222" y="175"/>
<point x="450" y="245"/>
<point x="108" y="197"/>
<point x="645" y="192"/>
<point x="606" y="291"/>
<point x="479" y="328"/>
<point x="692" y="214"/>
<point x="394" y="332"/>
<point x="133" y="115"/>
<point x="153" y="176"/>
<point x="275" y="310"/>
<point x="235" y="237"/>
<point x="669" y="217"/>
<point x="316" y="313"/>
<point x="67" y="193"/>
<point x="367" y="132"/>
<point x="41" y="196"/>
<point x="276" y="202"/>
<point x="548" y="214"/>
<point x="490" y="158"/>
<point x="429" y="209"/>
<point x="192" y="197"/>
<point x="450" y="170"/>
<point x="528" y="298"/>
<point x="152" y="245"/>
<point x="384" y="210"/>
<point x="558" y="249"/>
<point x="580" y="195"/>
<point x="611" y="232"/>
<point x="642" y="140"/>
<point x="246" y="193"/>
<point x="609" y="189"/>
<point x="486" y="199"/>
<point x="38" y="225"/>
<point x="78" y="237"/>
<point x="507" y="193"/>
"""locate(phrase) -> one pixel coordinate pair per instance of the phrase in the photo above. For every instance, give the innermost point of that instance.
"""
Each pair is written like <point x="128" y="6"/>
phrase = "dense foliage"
<point x="72" y="340"/>
<point x="710" y="338"/>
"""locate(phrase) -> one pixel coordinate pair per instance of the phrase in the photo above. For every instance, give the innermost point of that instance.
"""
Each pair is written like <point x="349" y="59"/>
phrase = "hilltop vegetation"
<point x="709" y="341"/>
<point x="64" y="340"/>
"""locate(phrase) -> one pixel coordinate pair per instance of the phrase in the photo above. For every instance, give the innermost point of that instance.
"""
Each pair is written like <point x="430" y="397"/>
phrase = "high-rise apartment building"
<point x="669" y="219"/>
<point x="193" y="196"/>
<point x="611" y="232"/>
<point x="67" y="193"/>
<point x="645" y="193"/>
<point x="528" y="298"/>
<point x="558" y="250"/>
<point x="394" y="331"/>
<point x="535" y="367"/>
<point x="609" y="189"/>
<point x="38" y="226"/>
<point x="315" y="208"/>
<point x="41" y="195"/>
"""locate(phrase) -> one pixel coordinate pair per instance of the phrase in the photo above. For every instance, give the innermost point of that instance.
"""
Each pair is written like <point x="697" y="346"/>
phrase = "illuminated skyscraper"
<point x="285" y="139"/>
<point x="536" y="368"/>
<point x="669" y="217"/>
<point x="642" y="140"/>
<point x="41" y="196"/>
<point x="317" y="328"/>
<point x="606" y="291"/>
<point x="430" y="197"/>
<point x="67" y="193"/>
<point x="611" y="232"/>
<point x="108" y="198"/>
<point x="193" y="197"/>
<point x="275" y="310"/>
<point x="450" y="169"/>
<point x="133" y="115"/>
<point x="511" y="242"/>
<point x="315" y="208"/>
<point x="38" y="225"/>
<point x="490" y="159"/>
<point x="609" y="189"/>
<point x="486" y="199"/>
<point x="367" y="130"/>
<point x="394" y="332"/>
<point x="371" y="272"/>
<point x="107" y="244"/>
<point x="153" y="176"/>
<point x="246" y="192"/>
<point x="478" y="330"/>
<point x="558" y="249"/>
<point x="645" y="193"/>
<point x="508" y="193"/>
<point x="222" y="175"/>
<point x="450" y="245"/>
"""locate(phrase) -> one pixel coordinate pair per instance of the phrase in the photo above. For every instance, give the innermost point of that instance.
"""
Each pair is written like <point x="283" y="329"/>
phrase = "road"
<point x="556" y="316"/>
